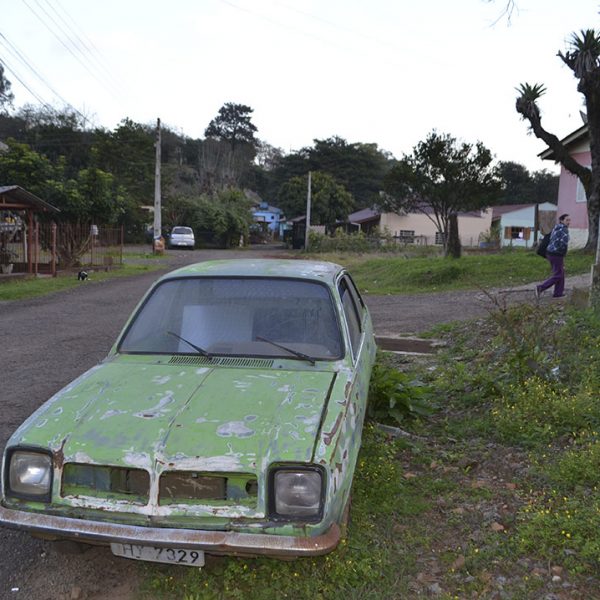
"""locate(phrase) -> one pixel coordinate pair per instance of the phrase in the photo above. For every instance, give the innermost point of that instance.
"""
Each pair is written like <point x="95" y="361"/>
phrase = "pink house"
<point x="571" y="197"/>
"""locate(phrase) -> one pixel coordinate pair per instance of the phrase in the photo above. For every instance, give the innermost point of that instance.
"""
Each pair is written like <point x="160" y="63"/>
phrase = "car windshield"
<point x="182" y="230"/>
<point x="240" y="316"/>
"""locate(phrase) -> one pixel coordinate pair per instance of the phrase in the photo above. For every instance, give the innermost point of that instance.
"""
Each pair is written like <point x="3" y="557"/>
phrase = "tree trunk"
<point x="453" y="248"/>
<point x="589" y="85"/>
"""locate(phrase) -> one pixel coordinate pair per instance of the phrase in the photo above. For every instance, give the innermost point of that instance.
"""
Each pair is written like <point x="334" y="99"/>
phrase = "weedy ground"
<point x="492" y="495"/>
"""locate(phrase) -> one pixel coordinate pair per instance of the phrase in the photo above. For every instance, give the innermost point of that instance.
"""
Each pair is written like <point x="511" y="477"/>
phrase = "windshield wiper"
<point x="310" y="359"/>
<point x="201" y="351"/>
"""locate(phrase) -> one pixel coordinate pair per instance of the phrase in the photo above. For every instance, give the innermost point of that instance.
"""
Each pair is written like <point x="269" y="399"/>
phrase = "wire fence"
<point x="50" y="247"/>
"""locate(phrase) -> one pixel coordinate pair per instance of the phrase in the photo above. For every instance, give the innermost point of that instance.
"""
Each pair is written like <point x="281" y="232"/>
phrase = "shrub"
<point x="394" y="396"/>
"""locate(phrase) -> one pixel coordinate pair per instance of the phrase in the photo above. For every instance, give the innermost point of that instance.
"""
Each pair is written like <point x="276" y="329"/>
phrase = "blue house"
<point x="271" y="215"/>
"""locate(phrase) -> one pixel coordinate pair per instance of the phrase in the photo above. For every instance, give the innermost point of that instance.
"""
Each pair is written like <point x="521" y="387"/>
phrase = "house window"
<point x="406" y="236"/>
<point x="439" y="238"/>
<point x="580" y="193"/>
<point x="517" y="233"/>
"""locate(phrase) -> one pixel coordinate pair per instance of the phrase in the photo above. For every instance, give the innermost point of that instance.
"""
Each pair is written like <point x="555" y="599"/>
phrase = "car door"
<point x="362" y="344"/>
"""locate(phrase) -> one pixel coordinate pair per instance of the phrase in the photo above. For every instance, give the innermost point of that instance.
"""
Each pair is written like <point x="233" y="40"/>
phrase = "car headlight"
<point x="29" y="474"/>
<point x="297" y="493"/>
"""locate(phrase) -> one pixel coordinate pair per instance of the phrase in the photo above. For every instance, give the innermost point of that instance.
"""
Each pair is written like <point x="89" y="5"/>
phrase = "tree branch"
<point x="530" y="112"/>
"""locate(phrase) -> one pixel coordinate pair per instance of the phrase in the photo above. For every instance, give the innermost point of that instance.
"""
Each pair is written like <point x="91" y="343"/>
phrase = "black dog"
<point x="82" y="275"/>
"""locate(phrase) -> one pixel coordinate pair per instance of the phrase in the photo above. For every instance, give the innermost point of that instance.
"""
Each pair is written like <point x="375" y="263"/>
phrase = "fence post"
<point x="30" y="242"/>
<point x="122" y="244"/>
<point x="53" y="249"/>
<point x="37" y="248"/>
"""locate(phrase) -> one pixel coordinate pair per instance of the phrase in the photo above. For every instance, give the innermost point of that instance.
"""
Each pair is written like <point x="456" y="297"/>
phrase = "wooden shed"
<point x="19" y="230"/>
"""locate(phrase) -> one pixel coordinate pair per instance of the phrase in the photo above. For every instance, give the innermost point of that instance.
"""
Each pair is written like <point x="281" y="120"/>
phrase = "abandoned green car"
<point x="226" y="419"/>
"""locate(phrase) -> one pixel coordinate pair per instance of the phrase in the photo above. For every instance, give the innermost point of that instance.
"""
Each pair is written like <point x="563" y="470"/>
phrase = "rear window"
<point x="239" y="316"/>
<point x="183" y="230"/>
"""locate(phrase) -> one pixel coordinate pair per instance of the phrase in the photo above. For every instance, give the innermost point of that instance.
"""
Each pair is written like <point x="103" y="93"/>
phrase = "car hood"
<point x="202" y="418"/>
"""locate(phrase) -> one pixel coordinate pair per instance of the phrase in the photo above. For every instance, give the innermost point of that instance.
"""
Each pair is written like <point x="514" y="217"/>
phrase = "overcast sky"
<point x="377" y="71"/>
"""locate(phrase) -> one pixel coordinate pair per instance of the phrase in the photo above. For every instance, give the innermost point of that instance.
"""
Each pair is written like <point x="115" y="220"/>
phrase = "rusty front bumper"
<point x="212" y="542"/>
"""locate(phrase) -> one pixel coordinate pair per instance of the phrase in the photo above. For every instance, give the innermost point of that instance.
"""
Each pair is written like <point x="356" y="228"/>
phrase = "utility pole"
<point x="158" y="244"/>
<point x="308" y="198"/>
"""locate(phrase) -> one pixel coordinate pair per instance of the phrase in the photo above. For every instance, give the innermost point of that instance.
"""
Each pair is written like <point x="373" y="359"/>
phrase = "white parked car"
<point x="182" y="237"/>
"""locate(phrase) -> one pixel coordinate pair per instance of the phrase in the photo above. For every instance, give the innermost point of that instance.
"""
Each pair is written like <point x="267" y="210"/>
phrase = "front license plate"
<point x="173" y="556"/>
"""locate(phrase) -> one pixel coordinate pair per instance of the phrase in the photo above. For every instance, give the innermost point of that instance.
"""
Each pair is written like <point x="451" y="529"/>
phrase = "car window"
<point x="355" y="294"/>
<point x="352" y="314"/>
<point x="182" y="230"/>
<point x="239" y="316"/>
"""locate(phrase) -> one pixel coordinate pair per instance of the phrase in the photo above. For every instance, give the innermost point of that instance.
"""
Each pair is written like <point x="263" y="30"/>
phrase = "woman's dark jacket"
<point x="559" y="240"/>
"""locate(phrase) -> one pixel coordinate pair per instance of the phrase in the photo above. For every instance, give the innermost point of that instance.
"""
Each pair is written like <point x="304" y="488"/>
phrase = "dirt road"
<point x="48" y="341"/>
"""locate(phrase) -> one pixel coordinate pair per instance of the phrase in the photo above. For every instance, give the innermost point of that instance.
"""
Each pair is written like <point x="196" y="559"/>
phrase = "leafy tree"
<point x="6" y="96"/>
<point x="55" y="134"/>
<point x="90" y="196"/>
<point x="583" y="58"/>
<point x="330" y="201"/>
<point x="233" y="125"/>
<point x="520" y="186"/>
<point x="128" y="153"/>
<point x="23" y="166"/>
<point x="220" y="219"/>
<point x="442" y="176"/>
<point x="359" y="167"/>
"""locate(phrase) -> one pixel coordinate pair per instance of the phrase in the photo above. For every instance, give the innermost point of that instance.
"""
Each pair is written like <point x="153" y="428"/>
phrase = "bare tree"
<point x="583" y="58"/>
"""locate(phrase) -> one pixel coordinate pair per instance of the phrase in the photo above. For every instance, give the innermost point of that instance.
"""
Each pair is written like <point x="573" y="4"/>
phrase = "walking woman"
<point x="555" y="253"/>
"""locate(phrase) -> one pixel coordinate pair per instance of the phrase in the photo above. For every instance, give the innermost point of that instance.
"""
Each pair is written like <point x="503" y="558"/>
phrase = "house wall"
<point x="265" y="216"/>
<point x="469" y="227"/>
<point x="568" y="199"/>
<point x="523" y="218"/>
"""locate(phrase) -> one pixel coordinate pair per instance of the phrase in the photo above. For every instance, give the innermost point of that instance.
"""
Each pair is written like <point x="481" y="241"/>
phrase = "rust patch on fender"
<point x="328" y="436"/>
<point x="59" y="455"/>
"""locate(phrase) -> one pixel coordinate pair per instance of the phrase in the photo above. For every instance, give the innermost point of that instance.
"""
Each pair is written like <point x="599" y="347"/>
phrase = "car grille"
<point x="175" y="487"/>
<point x="106" y="482"/>
<point x="186" y="486"/>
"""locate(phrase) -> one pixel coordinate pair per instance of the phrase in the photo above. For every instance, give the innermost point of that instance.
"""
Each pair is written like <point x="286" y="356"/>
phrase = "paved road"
<point x="46" y="342"/>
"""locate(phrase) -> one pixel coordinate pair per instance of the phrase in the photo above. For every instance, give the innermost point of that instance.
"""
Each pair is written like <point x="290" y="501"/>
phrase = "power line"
<point x="20" y="56"/>
<point x="69" y="50"/>
<point x="23" y="59"/>
<point x="16" y="76"/>
<point x="87" y="43"/>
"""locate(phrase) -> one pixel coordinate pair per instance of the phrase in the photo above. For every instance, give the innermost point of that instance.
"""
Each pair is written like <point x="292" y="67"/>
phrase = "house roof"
<point x="573" y="138"/>
<point x="267" y="208"/>
<point x="369" y="214"/>
<point x="16" y="197"/>
<point x="498" y="211"/>
<point x="364" y="215"/>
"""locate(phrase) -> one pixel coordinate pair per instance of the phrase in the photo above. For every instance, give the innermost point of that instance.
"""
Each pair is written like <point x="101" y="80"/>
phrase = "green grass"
<point x="537" y="378"/>
<point x="399" y="275"/>
<point x="145" y="255"/>
<point x="20" y="289"/>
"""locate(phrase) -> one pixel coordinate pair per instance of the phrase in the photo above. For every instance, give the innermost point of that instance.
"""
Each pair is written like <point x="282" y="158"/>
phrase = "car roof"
<point x="296" y="269"/>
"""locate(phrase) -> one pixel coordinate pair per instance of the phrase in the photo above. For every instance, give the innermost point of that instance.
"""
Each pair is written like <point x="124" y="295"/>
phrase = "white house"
<point x="516" y="224"/>
<point x="419" y="228"/>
